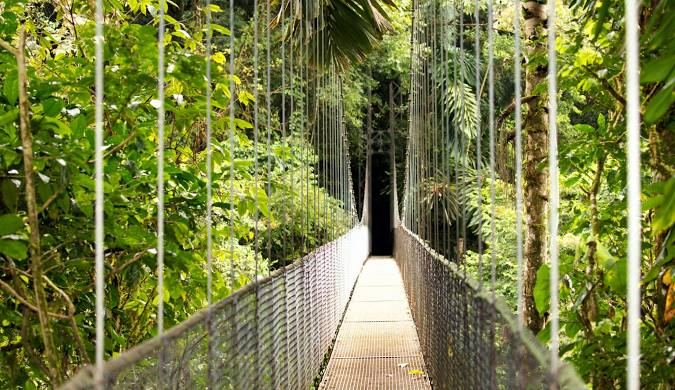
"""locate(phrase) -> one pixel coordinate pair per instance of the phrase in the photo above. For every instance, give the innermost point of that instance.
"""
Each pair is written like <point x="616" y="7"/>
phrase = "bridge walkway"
<point x="377" y="345"/>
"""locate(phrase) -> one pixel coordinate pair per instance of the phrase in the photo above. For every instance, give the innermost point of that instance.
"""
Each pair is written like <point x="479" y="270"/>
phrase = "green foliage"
<point x="593" y="265"/>
<point x="61" y="77"/>
<point x="506" y="270"/>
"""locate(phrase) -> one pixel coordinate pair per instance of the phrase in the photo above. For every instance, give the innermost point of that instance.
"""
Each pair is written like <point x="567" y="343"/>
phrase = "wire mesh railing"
<point x="273" y="333"/>
<point x="470" y="339"/>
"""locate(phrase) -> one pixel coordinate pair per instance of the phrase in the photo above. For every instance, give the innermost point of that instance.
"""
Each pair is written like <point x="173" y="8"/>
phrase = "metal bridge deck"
<point x="377" y="345"/>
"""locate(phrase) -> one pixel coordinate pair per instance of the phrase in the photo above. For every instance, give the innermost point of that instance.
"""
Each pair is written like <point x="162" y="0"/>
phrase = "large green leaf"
<point x="614" y="269"/>
<point x="9" y="117"/>
<point x="660" y="103"/>
<point x="13" y="248"/>
<point x="542" y="288"/>
<point x="10" y="223"/>
<point x="664" y="216"/>
<point x="52" y="106"/>
<point x="11" y="87"/>
<point x="657" y="70"/>
<point x="615" y="276"/>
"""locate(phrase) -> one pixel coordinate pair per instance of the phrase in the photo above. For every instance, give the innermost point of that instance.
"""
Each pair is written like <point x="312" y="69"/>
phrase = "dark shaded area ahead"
<point x="382" y="233"/>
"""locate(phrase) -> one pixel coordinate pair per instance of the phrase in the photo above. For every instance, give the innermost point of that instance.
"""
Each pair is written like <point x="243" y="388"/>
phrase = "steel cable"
<point x="554" y="193"/>
<point x="98" y="203"/>
<point x="634" y="190"/>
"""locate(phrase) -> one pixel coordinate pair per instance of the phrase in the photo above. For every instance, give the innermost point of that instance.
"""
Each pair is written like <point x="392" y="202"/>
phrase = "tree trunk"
<point x="50" y="355"/>
<point x="535" y="128"/>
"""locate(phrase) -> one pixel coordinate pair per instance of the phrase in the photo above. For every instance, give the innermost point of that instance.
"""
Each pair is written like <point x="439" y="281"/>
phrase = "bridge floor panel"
<point x="377" y="345"/>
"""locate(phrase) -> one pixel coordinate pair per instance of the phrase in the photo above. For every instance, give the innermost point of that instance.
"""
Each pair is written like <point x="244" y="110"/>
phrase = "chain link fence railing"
<point x="469" y="339"/>
<point x="270" y="334"/>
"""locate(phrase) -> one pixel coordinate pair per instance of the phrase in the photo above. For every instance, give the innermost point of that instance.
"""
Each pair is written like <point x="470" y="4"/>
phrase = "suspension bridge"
<point x="336" y="318"/>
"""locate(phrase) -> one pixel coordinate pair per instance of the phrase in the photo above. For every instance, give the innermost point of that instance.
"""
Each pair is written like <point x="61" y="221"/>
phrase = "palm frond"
<point x="339" y="32"/>
<point x="460" y="104"/>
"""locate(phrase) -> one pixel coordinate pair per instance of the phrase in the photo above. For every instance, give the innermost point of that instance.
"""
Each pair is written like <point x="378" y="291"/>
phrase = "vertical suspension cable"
<point x="340" y="151"/>
<point x="451" y="18"/>
<point x="419" y="120"/>
<point x="634" y="190"/>
<point x="422" y="130"/>
<point x="442" y="87"/>
<point x="284" y="141"/>
<point x="336" y="154"/>
<point x="276" y="381"/>
<point x="479" y="167"/>
<point x="209" y="155"/>
<point x="304" y="102"/>
<point x="428" y="114"/>
<point x="407" y="206"/>
<point x="404" y="209"/>
<point x="519" y="161"/>
<point x="309" y="126"/>
<point x="256" y="185"/>
<point x="331" y="158"/>
<point x="425" y="127"/>
<point x="268" y="97"/>
<point x="491" y="127"/>
<point x="440" y="121"/>
<point x="423" y="123"/>
<point x="413" y="121"/>
<point x="433" y="158"/>
<point x="414" y="163"/>
<point x="324" y="125"/>
<point x="292" y="102"/>
<point x="392" y="155"/>
<point x="341" y="143"/>
<point x="336" y="151"/>
<point x="256" y="175"/>
<point x="160" y="188"/>
<point x="446" y="122"/>
<point x="554" y="196"/>
<point x="434" y="150"/>
<point x="317" y="126"/>
<point x="345" y="157"/>
<point x="309" y="129"/>
<point x="493" y="179"/>
<point x="209" y="203"/>
<point x="284" y="138"/>
<point x="231" y="139"/>
<point x="455" y="125"/>
<point x="427" y="123"/>
<point x="160" y="174"/>
<point x="462" y="135"/>
<point x="100" y="248"/>
<point x="441" y="95"/>
<point x="329" y="149"/>
<point x="369" y="131"/>
<point x="416" y="129"/>
<point x="414" y="85"/>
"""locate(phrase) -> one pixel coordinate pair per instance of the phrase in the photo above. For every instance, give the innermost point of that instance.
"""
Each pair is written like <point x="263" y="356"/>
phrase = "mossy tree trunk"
<point x="535" y="128"/>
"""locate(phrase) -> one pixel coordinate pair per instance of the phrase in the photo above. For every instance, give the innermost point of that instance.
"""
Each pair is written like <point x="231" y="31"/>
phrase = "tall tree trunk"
<point x="52" y="367"/>
<point x="536" y="149"/>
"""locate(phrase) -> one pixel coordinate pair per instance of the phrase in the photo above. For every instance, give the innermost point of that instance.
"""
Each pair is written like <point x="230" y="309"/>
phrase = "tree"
<point x="535" y="128"/>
